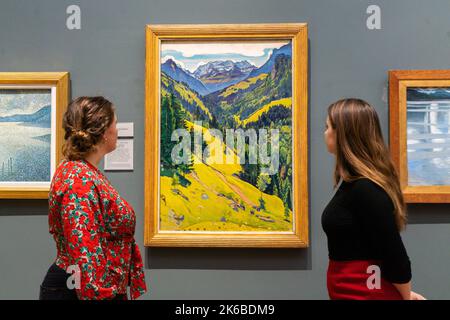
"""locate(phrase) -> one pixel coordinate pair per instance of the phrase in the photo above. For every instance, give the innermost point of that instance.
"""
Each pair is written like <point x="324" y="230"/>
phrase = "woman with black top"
<point x="363" y="219"/>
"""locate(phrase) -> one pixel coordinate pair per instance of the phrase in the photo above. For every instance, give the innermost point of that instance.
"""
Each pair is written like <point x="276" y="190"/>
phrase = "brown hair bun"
<point x="84" y="123"/>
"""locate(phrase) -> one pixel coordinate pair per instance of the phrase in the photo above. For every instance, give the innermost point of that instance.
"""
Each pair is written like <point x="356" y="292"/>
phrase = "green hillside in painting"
<point x="202" y="195"/>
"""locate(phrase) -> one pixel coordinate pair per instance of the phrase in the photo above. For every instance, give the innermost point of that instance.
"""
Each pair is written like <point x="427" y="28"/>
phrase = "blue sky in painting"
<point x="191" y="55"/>
<point x="23" y="101"/>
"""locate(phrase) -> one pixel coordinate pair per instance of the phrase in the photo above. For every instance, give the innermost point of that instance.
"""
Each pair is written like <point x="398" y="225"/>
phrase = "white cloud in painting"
<point x="201" y="63"/>
<point x="250" y="49"/>
<point x="427" y="91"/>
<point x="178" y="62"/>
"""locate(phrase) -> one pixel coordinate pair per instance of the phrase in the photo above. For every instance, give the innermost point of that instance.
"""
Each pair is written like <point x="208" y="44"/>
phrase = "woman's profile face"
<point x="110" y="136"/>
<point x="330" y="137"/>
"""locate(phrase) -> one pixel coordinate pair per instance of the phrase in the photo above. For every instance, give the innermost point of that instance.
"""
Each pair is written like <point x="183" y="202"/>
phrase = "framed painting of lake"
<point x="420" y="133"/>
<point x="226" y="135"/>
<point x="31" y="107"/>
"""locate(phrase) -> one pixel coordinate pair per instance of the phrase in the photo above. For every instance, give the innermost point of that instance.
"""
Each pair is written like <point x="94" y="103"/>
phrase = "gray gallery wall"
<point x="107" y="57"/>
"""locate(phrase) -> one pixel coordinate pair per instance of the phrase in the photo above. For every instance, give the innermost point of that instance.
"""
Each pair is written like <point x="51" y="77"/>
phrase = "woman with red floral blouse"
<point x="93" y="226"/>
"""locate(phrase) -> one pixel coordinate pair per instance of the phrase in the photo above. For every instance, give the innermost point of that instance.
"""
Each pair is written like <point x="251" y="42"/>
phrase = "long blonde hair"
<point x="361" y="151"/>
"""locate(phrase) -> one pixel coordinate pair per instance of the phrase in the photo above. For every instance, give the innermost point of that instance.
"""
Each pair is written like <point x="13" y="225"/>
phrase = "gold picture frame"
<point x="156" y="36"/>
<point x="419" y="117"/>
<point x="57" y="86"/>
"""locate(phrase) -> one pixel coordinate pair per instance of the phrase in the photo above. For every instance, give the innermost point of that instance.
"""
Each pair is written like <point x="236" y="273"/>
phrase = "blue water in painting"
<point x="428" y="136"/>
<point x="25" y="135"/>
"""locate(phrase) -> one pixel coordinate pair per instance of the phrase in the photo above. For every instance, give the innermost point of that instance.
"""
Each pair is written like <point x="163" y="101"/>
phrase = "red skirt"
<point x="347" y="280"/>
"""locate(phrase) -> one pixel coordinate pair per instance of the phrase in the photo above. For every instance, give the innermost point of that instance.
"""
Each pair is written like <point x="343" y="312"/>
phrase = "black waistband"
<point x="57" y="278"/>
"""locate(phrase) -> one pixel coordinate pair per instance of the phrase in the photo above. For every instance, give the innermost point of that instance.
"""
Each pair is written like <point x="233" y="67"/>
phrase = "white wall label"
<point x="126" y="129"/>
<point x="121" y="158"/>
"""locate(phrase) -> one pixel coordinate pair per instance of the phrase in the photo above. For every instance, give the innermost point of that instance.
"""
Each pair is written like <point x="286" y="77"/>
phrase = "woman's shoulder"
<point x="76" y="170"/>
<point x="366" y="189"/>
<point x="366" y="184"/>
<point x="74" y="176"/>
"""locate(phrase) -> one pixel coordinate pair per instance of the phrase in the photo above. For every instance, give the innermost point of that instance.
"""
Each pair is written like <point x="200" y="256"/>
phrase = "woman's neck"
<point x="94" y="158"/>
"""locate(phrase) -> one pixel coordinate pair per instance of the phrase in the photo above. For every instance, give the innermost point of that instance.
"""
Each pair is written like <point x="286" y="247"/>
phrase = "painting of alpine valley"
<point x="25" y="135"/>
<point x="225" y="137"/>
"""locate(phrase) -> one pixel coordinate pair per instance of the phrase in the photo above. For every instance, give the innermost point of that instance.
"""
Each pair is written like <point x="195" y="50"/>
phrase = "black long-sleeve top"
<point x="360" y="224"/>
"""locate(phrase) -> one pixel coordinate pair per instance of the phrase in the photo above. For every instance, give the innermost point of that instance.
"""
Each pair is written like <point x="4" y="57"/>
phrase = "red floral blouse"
<point x="93" y="228"/>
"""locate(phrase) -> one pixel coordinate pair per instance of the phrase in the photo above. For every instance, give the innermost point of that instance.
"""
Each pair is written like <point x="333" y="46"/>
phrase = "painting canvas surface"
<point x="428" y="136"/>
<point x="25" y="135"/>
<point x="226" y="136"/>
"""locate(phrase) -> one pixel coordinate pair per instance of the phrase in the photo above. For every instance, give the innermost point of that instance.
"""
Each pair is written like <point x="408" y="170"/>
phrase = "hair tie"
<point x="81" y="133"/>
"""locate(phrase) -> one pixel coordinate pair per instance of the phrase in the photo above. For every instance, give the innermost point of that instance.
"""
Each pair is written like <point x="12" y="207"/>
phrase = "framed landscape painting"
<point x="226" y="135"/>
<point x="420" y="133"/>
<point x="31" y="107"/>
